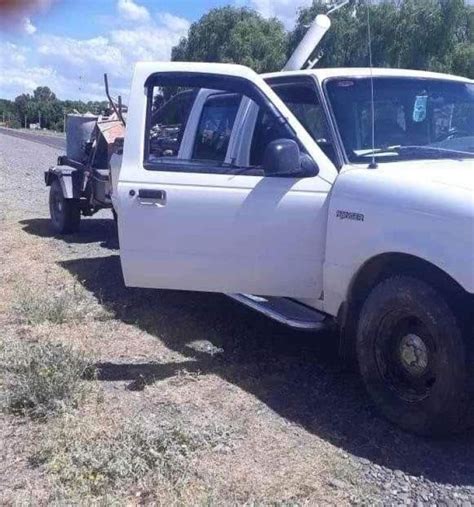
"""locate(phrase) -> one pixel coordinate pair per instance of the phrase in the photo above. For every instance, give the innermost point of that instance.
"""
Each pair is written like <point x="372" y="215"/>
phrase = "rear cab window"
<point x="215" y="126"/>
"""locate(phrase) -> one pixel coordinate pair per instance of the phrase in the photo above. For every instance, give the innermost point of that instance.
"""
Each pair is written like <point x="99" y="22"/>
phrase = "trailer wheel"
<point x="413" y="357"/>
<point x="65" y="213"/>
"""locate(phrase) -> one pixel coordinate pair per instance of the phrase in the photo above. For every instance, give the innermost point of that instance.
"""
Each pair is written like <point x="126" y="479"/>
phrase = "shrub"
<point x="34" y="306"/>
<point x="87" y="459"/>
<point x="40" y="379"/>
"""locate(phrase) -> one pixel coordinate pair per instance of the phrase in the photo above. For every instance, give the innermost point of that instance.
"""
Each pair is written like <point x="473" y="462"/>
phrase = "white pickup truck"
<point x="276" y="190"/>
<point x="339" y="198"/>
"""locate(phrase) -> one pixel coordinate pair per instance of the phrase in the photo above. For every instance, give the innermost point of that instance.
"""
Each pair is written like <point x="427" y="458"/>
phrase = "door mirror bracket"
<point x="283" y="158"/>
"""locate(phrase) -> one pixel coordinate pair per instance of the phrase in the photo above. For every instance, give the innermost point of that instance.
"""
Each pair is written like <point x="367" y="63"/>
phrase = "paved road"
<point x="48" y="140"/>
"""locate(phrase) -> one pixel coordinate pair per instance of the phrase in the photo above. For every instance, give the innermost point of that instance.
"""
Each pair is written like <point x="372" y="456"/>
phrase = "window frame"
<point x="320" y="92"/>
<point x="203" y="80"/>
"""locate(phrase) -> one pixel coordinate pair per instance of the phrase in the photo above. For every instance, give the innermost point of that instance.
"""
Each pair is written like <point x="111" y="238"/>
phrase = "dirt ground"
<point x="289" y="424"/>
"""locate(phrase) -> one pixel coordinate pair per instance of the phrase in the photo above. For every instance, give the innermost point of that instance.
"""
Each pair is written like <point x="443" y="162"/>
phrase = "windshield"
<point x="415" y="118"/>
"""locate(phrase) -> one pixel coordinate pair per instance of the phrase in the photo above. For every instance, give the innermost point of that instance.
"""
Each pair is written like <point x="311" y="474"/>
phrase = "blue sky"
<point x="69" y="44"/>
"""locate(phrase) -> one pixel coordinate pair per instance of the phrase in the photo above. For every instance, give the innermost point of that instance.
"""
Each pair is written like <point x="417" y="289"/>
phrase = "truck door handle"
<point x="149" y="196"/>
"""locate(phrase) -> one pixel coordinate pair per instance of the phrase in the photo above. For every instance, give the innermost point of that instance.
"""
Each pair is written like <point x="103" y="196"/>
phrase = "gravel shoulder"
<point x="51" y="139"/>
<point x="300" y="428"/>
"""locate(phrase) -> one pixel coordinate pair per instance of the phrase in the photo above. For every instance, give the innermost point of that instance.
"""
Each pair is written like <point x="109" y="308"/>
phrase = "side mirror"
<point x="283" y="158"/>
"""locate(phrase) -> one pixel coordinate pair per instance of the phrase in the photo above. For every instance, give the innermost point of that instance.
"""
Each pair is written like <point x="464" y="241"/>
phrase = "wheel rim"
<point x="406" y="357"/>
<point x="413" y="354"/>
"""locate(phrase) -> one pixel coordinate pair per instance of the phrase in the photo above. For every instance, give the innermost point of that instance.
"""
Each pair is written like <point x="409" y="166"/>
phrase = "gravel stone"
<point x="336" y="483"/>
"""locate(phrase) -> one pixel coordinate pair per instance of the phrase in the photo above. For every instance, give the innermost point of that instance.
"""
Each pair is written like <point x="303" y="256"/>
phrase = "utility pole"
<point x="39" y="119"/>
<point x="25" y="121"/>
<point x="64" y="121"/>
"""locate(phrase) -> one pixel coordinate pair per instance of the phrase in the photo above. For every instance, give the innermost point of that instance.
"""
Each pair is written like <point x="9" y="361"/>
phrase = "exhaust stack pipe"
<point x="312" y="38"/>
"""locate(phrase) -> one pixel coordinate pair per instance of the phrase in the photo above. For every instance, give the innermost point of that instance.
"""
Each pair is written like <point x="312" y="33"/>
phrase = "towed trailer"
<point x="80" y="183"/>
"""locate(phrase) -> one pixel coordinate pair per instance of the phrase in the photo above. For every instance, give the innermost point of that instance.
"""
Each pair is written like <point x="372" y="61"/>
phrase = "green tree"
<point x="8" y="113"/>
<point x="419" y="34"/>
<point x="43" y="94"/>
<point x="235" y="35"/>
<point x="24" y="108"/>
<point x="44" y="105"/>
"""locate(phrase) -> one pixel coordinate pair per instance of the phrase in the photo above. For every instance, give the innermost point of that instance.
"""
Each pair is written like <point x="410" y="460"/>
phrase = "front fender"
<point x="69" y="178"/>
<point x="371" y="214"/>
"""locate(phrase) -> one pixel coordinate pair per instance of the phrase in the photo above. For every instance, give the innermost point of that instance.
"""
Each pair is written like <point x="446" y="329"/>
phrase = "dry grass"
<point x="34" y="305"/>
<point x="169" y="444"/>
<point x="92" y="458"/>
<point x="41" y="379"/>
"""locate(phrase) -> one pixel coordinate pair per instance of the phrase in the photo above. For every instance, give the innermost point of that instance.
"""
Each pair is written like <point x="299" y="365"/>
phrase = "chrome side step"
<point x="285" y="311"/>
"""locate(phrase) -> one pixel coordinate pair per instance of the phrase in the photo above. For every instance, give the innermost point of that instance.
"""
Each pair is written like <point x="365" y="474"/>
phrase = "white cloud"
<point x="17" y="76"/>
<point x="131" y="11"/>
<point x="114" y="52"/>
<point x="74" y="68"/>
<point x="173" y="23"/>
<point x="285" y="10"/>
<point x="79" y="57"/>
<point x="12" y="80"/>
<point x="28" y="26"/>
<point x="15" y="80"/>
<point x="148" y="43"/>
<point x="12" y="55"/>
<point x="15" y="16"/>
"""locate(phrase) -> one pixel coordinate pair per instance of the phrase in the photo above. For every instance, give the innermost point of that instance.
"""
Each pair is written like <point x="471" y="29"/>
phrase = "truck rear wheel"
<point x="413" y="357"/>
<point x="65" y="213"/>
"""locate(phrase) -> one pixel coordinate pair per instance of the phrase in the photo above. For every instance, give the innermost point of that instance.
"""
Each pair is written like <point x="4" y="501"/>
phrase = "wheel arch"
<point x="380" y="267"/>
<point x="69" y="178"/>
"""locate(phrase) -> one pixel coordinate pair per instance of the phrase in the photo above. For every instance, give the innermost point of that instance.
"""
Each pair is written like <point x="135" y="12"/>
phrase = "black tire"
<point x="65" y="213"/>
<point x="413" y="357"/>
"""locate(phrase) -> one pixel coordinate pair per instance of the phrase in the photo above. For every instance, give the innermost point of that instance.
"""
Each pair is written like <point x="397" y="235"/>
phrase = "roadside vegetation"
<point x="41" y="379"/>
<point x="89" y="455"/>
<point x="64" y="303"/>
<point x="90" y="458"/>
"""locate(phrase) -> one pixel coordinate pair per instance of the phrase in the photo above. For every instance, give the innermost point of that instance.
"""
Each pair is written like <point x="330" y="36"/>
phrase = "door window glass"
<point x="215" y="127"/>
<point x="267" y="129"/>
<point x="302" y="100"/>
<point x="169" y="113"/>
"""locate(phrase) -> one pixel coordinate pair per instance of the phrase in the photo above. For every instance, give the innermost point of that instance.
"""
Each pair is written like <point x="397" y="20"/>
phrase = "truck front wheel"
<point x="413" y="357"/>
<point x="65" y="213"/>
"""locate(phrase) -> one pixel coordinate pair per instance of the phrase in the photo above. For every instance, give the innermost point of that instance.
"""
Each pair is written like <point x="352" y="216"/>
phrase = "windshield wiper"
<point x="428" y="150"/>
<point x="367" y="152"/>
